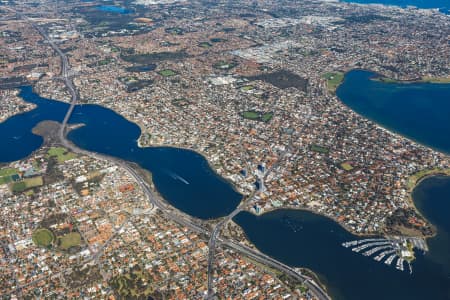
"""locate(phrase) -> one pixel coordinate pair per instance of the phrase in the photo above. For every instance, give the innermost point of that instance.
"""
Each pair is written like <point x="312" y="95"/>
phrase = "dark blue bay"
<point x="419" y="111"/>
<point x="17" y="140"/>
<point x="432" y="198"/>
<point x="443" y="5"/>
<point x="182" y="177"/>
<point x="297" y="238"/>
<point x="312" y="241"/>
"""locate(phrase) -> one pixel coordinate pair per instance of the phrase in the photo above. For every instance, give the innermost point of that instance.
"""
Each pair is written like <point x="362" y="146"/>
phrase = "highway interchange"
<point x="170" y="212"/>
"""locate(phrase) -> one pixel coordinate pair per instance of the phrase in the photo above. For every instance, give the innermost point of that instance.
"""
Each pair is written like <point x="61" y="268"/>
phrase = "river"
<point x="443" y="5"/>
<point x="182" y="177"/>
<point x="297" y="238"/>
<point x="419" y="111"/>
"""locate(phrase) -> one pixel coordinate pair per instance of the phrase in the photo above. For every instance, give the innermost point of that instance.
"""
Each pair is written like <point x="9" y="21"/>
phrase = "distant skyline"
<point x="224" y="149"/>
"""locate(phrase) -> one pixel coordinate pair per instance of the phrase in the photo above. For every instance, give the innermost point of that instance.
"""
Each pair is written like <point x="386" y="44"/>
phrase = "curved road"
<point x="256" y="255"/>
<point x="175" y="216"/>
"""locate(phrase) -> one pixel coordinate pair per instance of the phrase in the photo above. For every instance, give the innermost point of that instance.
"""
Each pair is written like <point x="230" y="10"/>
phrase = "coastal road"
<point x="156" y="201"/>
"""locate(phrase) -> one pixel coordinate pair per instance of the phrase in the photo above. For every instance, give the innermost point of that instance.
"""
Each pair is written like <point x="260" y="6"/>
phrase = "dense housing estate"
<point x="249" y="85"/>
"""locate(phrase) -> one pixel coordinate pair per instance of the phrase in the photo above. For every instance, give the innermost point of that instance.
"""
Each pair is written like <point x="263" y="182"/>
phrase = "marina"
<point x="390" y="259"/>
<point x="383" y="254"/>
<point x="307" y="246"/>
<point x="395" y="248"/>
<point x="221" y="89"/>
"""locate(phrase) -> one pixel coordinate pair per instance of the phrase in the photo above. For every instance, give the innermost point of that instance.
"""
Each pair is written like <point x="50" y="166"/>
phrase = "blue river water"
<point x="113" y="9"/>
<point x="419" y="111"/>
<point x="297" y="238"/>
<point x="304" y="239"/>
<point x="183" y="177"/>
<point x="442" y="5"/>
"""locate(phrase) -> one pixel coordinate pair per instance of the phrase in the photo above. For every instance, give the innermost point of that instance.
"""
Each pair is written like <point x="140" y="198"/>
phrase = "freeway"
<point x="216" y="231"/>
<point x="262" y="258"/>
<point x="65" y="68"/>
<point x="156" y="201"/>
<point x="269" y="261"/>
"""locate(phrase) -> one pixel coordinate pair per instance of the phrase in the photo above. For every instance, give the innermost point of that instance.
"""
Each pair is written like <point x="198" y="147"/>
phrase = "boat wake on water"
<point x="176" y="176"/>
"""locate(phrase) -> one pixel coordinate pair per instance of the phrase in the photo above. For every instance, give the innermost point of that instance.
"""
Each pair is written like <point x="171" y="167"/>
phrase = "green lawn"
<point x="7" y="172"/>
<point x="61" y="154"/>
<point x="27" y="183"/>
<point x="33" y="182"/>
<point x="18" y="187"/>
<point x="224" y="65"/>
<point x="43" y="237"/>
<point x="205" y="45"/>
<point x="104" y="62"/>
<point x="320" y="149"/>
<point x="69" y="240"/>
<point x="334" y="79"/>
<point x="5" y="179"/>
<point x="267" y="117"/>
<point x="251" y="115"/>
<point x="6" y="175"/>
<point x="247" y="88"/>
<point x="257" y="116"/>
<point x="346" y="166"/>
<point x="167" y="73"/>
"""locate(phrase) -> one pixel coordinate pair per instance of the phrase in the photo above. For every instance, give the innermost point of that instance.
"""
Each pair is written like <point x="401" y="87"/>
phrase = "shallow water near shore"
<point x="297" y="238"/>
<point x="182" y="177"/>
<point x="443" y="5"/>
<point x="419" y="111"/>
<point x="313" y="241"/>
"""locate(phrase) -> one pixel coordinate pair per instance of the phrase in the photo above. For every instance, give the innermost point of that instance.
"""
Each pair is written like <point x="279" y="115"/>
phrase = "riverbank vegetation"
<point x="415" y="178"/>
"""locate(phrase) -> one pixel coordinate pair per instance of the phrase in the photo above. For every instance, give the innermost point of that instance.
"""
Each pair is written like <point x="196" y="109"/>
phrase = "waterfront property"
<point x="206" y="196"/>
<point x="173" y="171"/>
<point x="416" y="110"/>
<point x="443" y="5"/>
<point x="304" y="239"/>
